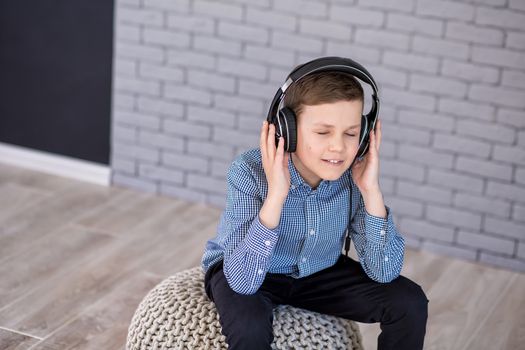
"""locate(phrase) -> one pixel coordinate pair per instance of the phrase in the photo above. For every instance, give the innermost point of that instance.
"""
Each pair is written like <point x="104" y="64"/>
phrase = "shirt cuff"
<point x="261" y="239"/>
<point x="378" y="229"/>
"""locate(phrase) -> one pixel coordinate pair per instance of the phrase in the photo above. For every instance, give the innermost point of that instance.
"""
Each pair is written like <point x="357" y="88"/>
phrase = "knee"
<point x="409" y="300"/>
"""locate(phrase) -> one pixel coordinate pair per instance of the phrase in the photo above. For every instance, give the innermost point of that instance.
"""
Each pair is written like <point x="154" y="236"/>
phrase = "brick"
<point x="296" y="42"/>
<point x="218" y="10"/>
<point x="401" y="5"/>
<point x="426" y="120"/>
<point x="238" y="103"/>
<point x="518" y="213"/>
<point x="515" y="40"/>
<point x="481" y="167"/>
<point x="137" y="152"/>
<point x="123" y="100"/>
<point x="482" y="204"/>
<point x="424" y="192"/>
<point x="210" y="149"/>
<point x="210" y="116"/>
<point x="250" y="123"/>
<point x="382" y="39"/>
<point x="467" y="109"/>
<point x="124" y="32"/>
<point x="125" y="67"/>
<point x="127" y="133"/>
<point x="387" y="76"/>
<point x="217" y="45"/>
<point x="130" y="84"/>
<point x="521" y="250"/>
<point x="242" y="68"/>
<point x="211" y="81"/>
<point x="356" y="16"/>
<point x="474" y="34"/>
<point x="235" y="137"/>
<point x="498" y="95"/>
<point x="140" y="52"/>
<point x="142" y="120"/>
<point x="509" y="154"/>
<point x="187" y="94"/>
<point x="500" y="18"/>
<point x="486" y="131"/>
<point x="402" y="98"/>
<point x="447" y="179"/>
<point x="159" y="140"/>
<point x="517" y="4"/>
<point x="445" y="9"/>
<point x="407" y="134"/>
<point x="425" y="156"/>
<point x="181" y="6"/>
<point x="502" y="261"/>
<point x="123" y="166"/>
<point x="184" y="128"/>
<point x="403" y="170"/>
<point x="139" y="16"/>
<point x="207" y="183"/>
<point x="160" y="173"/>
<point x="514" y="78"/>
<point x="470" y="72"/>
<point x="461" y="145"/>
<point x="413" y="24"/>
<point x="265" y="91"/>
<point x="361" y="54"/>
<point x="454" y="217"/>
<point x="511" y="117"/>
<point x="486" y="242"/>
<point x="438" y="85"/>
<point x="520" y="176"/>
<point x="243" y="32"/>
<point x="426" y="230"/>
<point x="191" y="59"/>
<point x="185" y="162"/>
<point x="302" y="7"/>
<point x="325" y="29"/>
<point x="449" y="250"/>
<point x="440" y="47"/>
<point x="166" y="38"/>
<point x="411" y="62"/>
<point x="193" y="24"/>
<point x="271" y="19"/>
<point x="161" y="73"/>
<point x="506" y="191"/>
<point x="160" y="106"/>
<point x="133" y="182"/>
<point x="505" y="227"/>
<point x="498" y="57"/>
<point x="269" y="55"/>
<point x="219" y="169"/>
<point x="408" y="207"/>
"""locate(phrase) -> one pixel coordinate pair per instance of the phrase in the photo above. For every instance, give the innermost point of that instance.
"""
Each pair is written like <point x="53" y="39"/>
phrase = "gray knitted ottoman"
<point x="177" y="314"/>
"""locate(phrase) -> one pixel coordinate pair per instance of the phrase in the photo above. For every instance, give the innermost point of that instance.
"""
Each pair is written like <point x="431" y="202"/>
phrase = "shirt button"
<point x="386" y="258"/>
<point x="312" y="232"/>
<point x="382" y="232"/>
<point x="293" y="187"/>
<point x="260" y="272"/>
<point x="304" y="259"/>
<point x="267" y="243"/>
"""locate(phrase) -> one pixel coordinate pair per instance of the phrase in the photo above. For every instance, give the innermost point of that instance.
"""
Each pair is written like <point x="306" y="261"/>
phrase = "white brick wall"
<point x="193" y="79"/>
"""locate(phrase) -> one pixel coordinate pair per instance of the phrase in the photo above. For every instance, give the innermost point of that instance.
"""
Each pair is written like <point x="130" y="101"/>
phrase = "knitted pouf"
<point x="177" y="314"/>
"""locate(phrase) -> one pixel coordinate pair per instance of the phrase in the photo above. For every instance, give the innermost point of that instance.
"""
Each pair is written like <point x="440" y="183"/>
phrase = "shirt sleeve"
<point x="248" y="244"/>
<point x="379" y="245"/>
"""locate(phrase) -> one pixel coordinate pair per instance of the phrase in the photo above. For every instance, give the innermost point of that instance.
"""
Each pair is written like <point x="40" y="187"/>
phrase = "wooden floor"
<point x="76" y="259"/>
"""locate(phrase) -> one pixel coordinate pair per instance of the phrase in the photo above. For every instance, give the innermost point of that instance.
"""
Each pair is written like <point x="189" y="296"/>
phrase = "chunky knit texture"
<point x="177" y="314"/>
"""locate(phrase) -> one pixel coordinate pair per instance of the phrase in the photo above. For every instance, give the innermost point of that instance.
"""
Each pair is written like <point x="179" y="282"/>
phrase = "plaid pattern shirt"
<point x="310" y="235"/>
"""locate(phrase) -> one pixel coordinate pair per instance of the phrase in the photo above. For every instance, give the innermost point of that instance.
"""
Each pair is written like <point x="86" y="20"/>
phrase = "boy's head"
<point x="328" y="107"/>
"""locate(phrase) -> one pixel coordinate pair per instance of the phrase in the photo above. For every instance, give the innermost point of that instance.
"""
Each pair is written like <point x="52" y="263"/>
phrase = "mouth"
<point x="333" y="162"/>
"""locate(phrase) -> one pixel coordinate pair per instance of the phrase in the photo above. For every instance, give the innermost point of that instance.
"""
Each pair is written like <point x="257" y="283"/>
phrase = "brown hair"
<point x="322" y="87"/>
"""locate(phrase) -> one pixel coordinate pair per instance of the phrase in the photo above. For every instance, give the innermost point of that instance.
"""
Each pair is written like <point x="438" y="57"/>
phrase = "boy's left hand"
<point x="365" y="173"/>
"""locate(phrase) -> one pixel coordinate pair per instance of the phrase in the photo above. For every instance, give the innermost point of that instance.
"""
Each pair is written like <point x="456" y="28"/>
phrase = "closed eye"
<point x="324" y="133"/>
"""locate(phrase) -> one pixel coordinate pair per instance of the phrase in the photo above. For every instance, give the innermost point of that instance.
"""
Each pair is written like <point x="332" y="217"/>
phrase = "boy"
<point x="280" y="236"/>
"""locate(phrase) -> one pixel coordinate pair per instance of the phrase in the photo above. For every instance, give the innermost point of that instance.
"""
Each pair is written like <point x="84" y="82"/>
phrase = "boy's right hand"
<point x="275" y="163"/>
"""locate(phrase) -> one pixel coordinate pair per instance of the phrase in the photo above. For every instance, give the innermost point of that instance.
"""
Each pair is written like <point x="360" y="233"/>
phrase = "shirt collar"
<point x="325" y="186"/>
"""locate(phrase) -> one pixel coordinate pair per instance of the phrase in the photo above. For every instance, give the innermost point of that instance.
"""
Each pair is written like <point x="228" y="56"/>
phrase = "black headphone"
<point x="284" y="118"/>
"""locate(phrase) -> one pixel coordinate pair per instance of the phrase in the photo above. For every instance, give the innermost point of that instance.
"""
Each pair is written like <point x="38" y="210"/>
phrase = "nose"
<point x="337" y="143"/>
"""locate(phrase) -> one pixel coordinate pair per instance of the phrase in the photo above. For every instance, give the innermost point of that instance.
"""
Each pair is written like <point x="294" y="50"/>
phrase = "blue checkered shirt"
<point x="311" y="231"/>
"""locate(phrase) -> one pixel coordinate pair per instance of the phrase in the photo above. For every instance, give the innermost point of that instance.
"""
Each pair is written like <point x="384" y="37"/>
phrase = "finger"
<point x="262" y="141"/>
<point x="379" y="134"/>
<point x="271" y="142"/>
<point x="280" y="150"/>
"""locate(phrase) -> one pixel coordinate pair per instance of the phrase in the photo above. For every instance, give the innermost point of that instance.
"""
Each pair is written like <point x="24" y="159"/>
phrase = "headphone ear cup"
<point x="287" y="123"/>
<point x="363" y="137"/>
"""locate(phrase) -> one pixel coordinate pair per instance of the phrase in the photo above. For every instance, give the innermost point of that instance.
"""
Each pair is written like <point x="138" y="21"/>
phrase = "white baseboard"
<point x="55" y="164"/>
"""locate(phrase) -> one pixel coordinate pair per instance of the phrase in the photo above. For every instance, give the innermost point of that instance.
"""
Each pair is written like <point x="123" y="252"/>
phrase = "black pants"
<point x="342" y="290"/>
